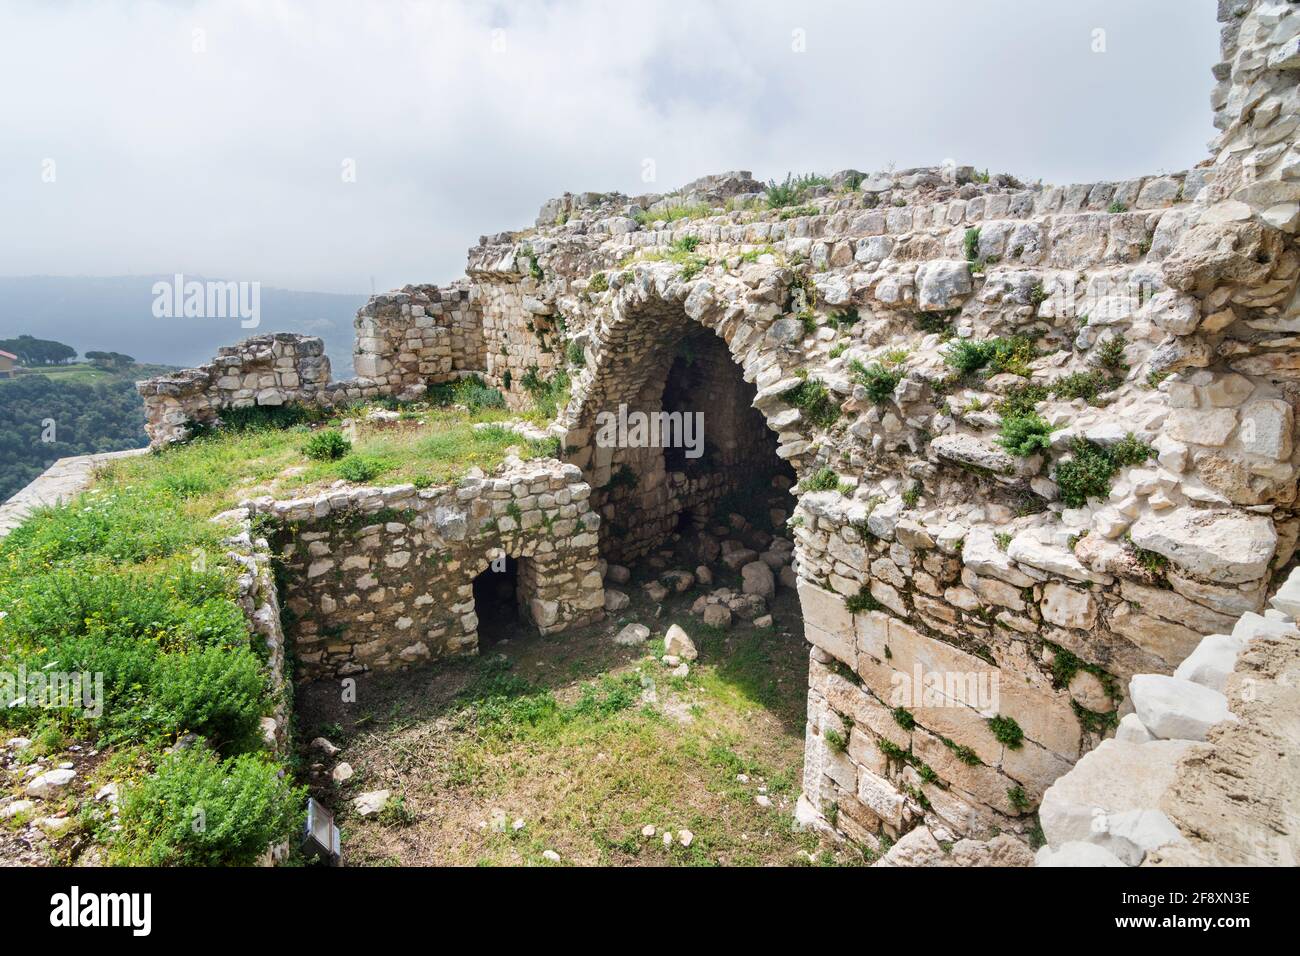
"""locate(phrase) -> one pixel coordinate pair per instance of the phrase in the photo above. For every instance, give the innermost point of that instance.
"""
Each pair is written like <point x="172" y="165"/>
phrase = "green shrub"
<point x="329" y="445"/>
<point x="1130" y="450"/>
<point x="999" y="355"/>
<point x="360" y="468"/>
<point x="812" y="398"/>
<point x="1025" y="435"/>
<point x="862" y="601"/>
<point x="550" y="394"/>
<point x="198" y="810"/>
<point x="791" y="192"/>
<point x="971" y="244"/>
<point x="126" y="526"/>
<point x="1018" y="798"/>
<point x="1022" y="399"/>
<point x="255" y="417"/>
<point x="1086" y="474"/>
<point x="599" y="282"/>
<point x="824" y="479"/>
<point x="173" y="608"/>
<point x="1085" y="385"/>
<point x="1111" y="355"/>
<point x="575" y="354"/>
<point x="214" y="692"/>
<point x="879" y="381"/>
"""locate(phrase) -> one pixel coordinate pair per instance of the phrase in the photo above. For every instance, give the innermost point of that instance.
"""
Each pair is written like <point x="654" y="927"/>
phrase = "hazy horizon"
<point x="330" y="147"/>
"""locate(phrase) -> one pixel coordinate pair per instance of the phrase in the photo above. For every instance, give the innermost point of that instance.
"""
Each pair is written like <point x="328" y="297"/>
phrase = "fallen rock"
<point x="758" y="579"/>
<point x="1131" y="835"/>
<point x="632" y="634"/>
<point x="323" y="745"/>
<point x="678" y="643"/>
<point x="342" y="773"/>
<point x="1212" y="661"/>
<point x="1002" y="850"/>
<point x="369" y="804"/>
<point x="1077" y="853"/>
<point x="57" y="827"/>
<point x="616" y="600"/>
<point x="1115" y="777"/>
<point x="16" y="807"/>
<point x="717" y="615"/>
<point x="50" y="784"/>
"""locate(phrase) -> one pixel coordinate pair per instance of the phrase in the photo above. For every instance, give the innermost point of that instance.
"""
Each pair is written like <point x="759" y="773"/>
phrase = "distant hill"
<point x="115" y="314"/>
<point x="48" y="414"/>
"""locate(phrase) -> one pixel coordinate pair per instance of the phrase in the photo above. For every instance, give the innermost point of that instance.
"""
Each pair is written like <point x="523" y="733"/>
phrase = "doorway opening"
<point x="497" y="602"/>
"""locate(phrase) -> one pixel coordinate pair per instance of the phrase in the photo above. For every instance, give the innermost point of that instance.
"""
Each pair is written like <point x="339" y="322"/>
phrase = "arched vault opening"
<point x="672" y="438"/>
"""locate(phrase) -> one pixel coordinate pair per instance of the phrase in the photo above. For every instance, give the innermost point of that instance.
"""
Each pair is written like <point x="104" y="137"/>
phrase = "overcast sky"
<point x="212" y="137"/>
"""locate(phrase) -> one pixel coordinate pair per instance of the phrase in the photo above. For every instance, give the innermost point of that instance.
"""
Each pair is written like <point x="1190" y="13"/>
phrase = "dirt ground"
<point x="573" y="744"/>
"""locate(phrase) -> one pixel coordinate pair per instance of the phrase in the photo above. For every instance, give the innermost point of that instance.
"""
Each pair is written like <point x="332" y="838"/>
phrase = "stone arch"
<point x="652" y="321"/>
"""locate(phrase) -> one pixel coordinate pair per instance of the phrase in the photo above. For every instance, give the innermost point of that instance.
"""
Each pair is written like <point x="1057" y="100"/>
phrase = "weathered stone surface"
<point x="1216" y="544"/>
<point x="371" y="803"/>
<point x="1077" y="853"/>
<point x="1212" y="661"/>
<point x="1114" y="778"/>
<point x="1065" y="606"/>
<point x="1176" y="709"/>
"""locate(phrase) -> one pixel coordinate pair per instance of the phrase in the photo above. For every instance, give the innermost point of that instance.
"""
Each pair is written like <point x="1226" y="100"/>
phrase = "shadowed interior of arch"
<point x="706" y="450"/>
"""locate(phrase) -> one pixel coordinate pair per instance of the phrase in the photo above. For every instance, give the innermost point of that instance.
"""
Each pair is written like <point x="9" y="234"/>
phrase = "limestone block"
<point x="1076" y="853"/>
<point x="1116" y="777"/>
<point x="1065" y="606"/>
<point x="1176" y="709"/>
<point x="1219" y="545"/>
<point x="1212" y="661"/>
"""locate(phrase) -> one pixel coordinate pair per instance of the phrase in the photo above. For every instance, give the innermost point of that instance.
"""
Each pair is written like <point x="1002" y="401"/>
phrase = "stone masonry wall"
<point x="417" y="336"/>
<point x="380" y="578"/>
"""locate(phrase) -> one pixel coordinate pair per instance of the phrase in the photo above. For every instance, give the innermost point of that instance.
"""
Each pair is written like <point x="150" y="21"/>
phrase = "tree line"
<point x="32" y="351"/>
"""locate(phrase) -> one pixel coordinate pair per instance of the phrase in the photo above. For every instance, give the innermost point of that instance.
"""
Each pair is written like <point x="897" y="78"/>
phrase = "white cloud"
<point x="227" y="162"/>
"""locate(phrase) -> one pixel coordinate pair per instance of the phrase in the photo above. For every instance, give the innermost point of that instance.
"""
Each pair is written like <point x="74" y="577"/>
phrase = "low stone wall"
<point x="1202" y="772"/>
<point x="382" y="578"/>
<point x="260" y="601"/>
<point x="262" y="370"/>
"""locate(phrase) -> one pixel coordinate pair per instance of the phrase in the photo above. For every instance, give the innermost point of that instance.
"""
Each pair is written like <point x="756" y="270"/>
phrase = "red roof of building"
<point x="9" y="355"/>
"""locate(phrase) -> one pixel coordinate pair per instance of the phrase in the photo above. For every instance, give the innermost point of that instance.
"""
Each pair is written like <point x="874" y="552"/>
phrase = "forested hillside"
<point x="47" y="417"/>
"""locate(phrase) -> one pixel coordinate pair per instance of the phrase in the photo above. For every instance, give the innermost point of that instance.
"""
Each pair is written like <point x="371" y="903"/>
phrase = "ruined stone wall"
<point x="380" y="578"/>
<point x="653" y="492"/>
<point x="418" y="336"/>
<point x="1157" y="312"/>
<point x="262" y="370"/>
